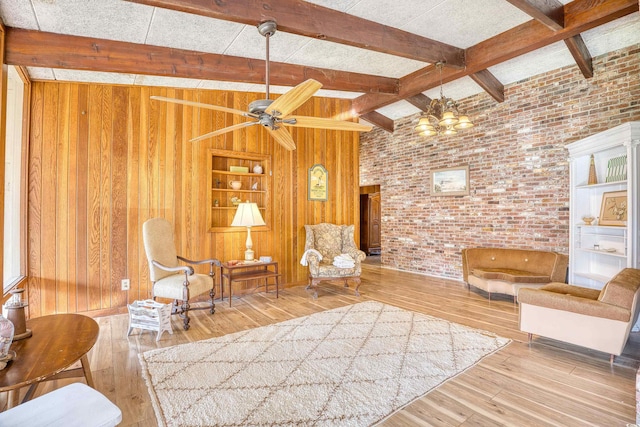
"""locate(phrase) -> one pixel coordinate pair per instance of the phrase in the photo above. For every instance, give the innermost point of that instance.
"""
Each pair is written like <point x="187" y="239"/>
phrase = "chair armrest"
<point x="313" y="259"/>
<point x="357" y="255"/>
<point x="182" y="268"/>
<point x="199" y="262"/>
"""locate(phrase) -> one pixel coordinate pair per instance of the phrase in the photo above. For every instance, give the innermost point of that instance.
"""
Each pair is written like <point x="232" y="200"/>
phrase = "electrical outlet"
<point x="125" y="284"/>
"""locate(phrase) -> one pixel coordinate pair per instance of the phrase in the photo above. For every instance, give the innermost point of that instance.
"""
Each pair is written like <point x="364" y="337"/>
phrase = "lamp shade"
<point x="247" y="215"/>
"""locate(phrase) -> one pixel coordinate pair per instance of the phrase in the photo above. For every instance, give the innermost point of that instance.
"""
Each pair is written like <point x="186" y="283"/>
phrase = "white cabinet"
<point x="597" y="252"/>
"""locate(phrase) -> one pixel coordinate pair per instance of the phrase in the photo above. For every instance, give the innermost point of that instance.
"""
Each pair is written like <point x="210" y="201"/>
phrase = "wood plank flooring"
<point x="546" y="384"/>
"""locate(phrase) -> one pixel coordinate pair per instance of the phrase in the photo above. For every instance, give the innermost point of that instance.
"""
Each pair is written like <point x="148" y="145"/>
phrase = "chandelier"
<point x="443" y="117"/>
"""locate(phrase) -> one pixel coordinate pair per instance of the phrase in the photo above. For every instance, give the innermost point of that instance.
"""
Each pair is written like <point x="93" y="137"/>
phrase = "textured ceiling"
<point x="461" y="23"/>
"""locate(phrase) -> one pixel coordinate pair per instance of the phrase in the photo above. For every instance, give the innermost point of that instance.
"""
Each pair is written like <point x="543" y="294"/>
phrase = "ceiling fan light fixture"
<point x="442" y="117"/>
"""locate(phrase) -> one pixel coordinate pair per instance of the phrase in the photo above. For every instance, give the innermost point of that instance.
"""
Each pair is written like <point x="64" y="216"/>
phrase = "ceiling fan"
<point x="274" y="114"/>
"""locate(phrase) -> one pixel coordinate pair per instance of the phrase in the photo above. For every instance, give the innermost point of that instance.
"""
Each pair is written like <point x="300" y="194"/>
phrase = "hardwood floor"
<point x="547" y="384"/>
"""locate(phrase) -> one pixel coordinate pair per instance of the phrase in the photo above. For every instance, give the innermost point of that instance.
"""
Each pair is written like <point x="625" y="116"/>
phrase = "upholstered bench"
<point x="505" y="271"/>
<point x="74" y="405"/>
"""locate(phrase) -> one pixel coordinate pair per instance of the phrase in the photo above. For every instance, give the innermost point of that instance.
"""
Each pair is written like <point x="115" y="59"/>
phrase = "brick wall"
<point x="519" y="174"/>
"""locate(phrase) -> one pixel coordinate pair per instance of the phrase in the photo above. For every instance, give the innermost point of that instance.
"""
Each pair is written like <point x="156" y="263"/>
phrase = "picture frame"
<point x="450" y="181"/>
<point x="613" y="210"/>
<point x="318" y="183"/>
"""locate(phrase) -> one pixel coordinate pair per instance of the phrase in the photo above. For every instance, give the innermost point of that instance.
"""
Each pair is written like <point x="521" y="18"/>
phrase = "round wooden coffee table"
<point x="58" y="341"/>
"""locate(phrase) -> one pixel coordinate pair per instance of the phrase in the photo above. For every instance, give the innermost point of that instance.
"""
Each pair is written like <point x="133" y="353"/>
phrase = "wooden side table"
<point x="244" y="271"/>
<point x="58" y="341"/>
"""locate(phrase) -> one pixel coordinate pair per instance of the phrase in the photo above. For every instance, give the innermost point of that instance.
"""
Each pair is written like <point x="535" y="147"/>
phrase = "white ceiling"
<point x="462" y="23"/>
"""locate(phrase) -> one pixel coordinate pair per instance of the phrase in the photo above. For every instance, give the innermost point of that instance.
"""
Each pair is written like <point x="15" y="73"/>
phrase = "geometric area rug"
<point x="350" y="366"/>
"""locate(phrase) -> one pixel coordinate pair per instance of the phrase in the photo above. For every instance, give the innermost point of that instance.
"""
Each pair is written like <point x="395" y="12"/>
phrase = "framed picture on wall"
<point x="613" y="210"/>
<point x="450" y="181"/>
<point x="318" y="183"/>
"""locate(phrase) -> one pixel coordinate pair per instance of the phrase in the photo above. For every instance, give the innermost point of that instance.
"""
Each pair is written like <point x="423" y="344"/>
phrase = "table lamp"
<point x="248" y="215"/>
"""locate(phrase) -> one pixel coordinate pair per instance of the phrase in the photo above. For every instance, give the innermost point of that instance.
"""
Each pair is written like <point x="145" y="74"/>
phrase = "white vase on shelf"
<point x="257" y="168"/>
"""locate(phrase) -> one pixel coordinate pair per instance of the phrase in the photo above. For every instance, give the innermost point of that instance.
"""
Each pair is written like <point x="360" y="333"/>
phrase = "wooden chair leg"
<point x="611" y="359"/>
<point x="529" y="337"/>
<point x="357" y="280"/>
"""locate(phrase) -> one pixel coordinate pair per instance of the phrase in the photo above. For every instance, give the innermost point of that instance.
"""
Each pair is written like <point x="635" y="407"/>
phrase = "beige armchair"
<point x="171" y="280"/>
<point x="325" y="242"/>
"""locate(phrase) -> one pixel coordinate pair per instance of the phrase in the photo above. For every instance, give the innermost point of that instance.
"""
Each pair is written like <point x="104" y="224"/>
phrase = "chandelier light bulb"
<point x="449" y="131"/>
<point x="448" y="118"/>
<point x="464" y="123"/>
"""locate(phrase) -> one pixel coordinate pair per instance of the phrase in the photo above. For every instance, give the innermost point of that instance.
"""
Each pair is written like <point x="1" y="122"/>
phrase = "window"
<point x="15" y="171"/>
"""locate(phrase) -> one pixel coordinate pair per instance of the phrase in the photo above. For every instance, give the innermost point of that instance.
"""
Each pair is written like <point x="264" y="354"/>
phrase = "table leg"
<point x="230" y="292"/>
<point x="87" y="370"/>
<point x="13" y="398"/>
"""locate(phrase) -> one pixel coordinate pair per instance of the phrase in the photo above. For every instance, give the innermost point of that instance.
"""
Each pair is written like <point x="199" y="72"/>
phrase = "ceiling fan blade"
<point x="294" y="98"/>
<point x="223" y="130"/>
<point x="283" y="137"/>
<point x="323" y="123"/>
<point x="201" y="105"/>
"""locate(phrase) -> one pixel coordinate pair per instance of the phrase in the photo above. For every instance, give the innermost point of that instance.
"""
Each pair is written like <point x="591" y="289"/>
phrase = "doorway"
<point x="370" y="220"/>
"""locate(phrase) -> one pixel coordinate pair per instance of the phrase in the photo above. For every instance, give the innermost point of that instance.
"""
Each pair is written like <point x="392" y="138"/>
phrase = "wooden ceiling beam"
<point x="547" y="12"/>
<point x="490" y="84"/>
<point x="379" y="120"/>
<point x="311" y="20"/>
<point x="420" y="101"/>
<point x="580" y="16"/>
<point x="41" y="49"/>
<point x="581" y="55"/>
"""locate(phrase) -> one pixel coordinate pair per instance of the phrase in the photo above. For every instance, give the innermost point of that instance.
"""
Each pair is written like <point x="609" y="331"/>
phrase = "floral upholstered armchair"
<point x="331" y="254"/>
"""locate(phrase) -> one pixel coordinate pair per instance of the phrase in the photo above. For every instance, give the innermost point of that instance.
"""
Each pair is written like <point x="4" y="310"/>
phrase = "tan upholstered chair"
<point x="596" y="319"/>
<point x="171" y="280"/>
<point x="330" y="240"/>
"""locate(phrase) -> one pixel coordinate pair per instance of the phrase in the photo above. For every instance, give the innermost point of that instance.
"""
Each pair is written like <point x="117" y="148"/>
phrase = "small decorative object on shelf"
<point x="593" y="179"/>
<point x="150" y="315"/>
<point x="587" y="220"/>
<point x="235" y="201"/>
<point x="617" y="169"/>
<point x="15" y="313"/>
<point x="241" y="169"/>
<point x="236" y="185"/>
<point x="216" y="203"/>
<point x="257" y="168"/>
<point x="254" y="187"/>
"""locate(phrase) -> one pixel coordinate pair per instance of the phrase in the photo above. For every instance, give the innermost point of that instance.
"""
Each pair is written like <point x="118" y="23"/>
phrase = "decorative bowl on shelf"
<point x="588" y="219"/>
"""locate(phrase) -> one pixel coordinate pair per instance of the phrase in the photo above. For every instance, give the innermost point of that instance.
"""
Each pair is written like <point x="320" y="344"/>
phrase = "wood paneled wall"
<point x="103" y="159"/>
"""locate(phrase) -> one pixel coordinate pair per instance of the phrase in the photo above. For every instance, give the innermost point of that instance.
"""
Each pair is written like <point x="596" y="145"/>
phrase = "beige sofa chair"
<point x="323" y="243"/>
<point x="171" y="280"/>
<point x="506" y="271"/>
<point x="596" y="319"/>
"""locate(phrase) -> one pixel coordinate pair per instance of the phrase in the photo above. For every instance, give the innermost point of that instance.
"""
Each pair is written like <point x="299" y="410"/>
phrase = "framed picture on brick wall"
<point x="450" y="181"/>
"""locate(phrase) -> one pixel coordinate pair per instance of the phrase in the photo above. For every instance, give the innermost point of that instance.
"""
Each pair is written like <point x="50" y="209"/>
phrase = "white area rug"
<point x="351" y="366"/>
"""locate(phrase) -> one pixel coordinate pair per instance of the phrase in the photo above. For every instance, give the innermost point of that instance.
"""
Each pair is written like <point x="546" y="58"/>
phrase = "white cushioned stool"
<point x="74" y="405"/>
